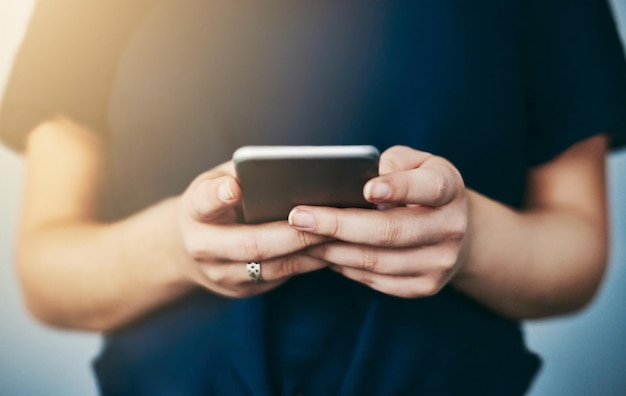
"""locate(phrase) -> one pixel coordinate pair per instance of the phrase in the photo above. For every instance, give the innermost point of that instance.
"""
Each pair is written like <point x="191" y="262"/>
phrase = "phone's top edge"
<point x="278" y="152"/>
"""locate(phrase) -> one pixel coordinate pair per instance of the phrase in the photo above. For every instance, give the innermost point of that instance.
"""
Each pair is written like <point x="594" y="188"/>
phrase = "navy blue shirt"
<point x="495" y="87"/>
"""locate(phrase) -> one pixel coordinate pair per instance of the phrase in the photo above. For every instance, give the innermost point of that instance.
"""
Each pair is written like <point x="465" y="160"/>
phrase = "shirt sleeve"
<point x="576" y="76"/>
<point x="66" y="64"/>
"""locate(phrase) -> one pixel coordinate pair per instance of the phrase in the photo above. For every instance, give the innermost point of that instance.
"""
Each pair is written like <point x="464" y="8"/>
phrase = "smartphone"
<point x="274" y="179"/>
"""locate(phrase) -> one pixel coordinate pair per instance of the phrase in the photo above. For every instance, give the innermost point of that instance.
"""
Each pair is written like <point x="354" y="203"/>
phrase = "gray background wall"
<point x="583" y="354"/>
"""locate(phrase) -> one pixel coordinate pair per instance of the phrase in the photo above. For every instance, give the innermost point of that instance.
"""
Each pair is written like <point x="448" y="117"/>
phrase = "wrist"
<point x="157" y="255"/>
<point x="178" y="265"/>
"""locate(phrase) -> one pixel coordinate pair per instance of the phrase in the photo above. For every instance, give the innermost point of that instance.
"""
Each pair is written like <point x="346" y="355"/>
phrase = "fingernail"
<point x="377" y="191"/>
<point x="301" y="219"/>
<point x="225" y="193"/>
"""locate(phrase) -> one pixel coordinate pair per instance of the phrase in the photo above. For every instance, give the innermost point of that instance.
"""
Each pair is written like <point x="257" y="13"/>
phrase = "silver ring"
<point x="254" y="271"/>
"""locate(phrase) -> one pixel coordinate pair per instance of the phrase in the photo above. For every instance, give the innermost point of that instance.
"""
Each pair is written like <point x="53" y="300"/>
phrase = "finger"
<point x="272" y="271"/>
<point x="283" y="268"/>
<point x="395" y="227"/>
<point x="403" y="262"/>
<point x="239" y="291"/>
<point x="207" y="199"/>
<point x="225" y="169"/>
<point x="435" y="183"/>
<point x="232" y="279"/>
<point x="399" y="286"/>
<point x="401" y="158"/>
<point x="241" y="242"/>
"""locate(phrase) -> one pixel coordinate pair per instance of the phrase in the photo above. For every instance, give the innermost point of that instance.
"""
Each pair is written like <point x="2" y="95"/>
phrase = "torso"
<point x="198" y="79"/>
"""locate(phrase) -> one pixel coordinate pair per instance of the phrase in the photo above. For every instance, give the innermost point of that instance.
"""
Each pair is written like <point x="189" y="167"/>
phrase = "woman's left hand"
<point x="413" y="248"/>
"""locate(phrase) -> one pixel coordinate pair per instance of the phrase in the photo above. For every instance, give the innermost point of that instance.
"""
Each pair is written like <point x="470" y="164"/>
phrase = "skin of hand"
<point x="219" y="247"/>
<point x="545" y="259"/>
<point x="411" y="249"/>
<point x="82" y="272"/>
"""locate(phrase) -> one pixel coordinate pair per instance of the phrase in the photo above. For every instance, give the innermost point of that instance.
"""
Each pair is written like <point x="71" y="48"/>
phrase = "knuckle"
<point x="444" y="258"/>
<point x="227" y="290"/>
<point x="448" y="260"/>
<point x="448" y="182"/>
<point x="197" y="255"/>
<point x="251" y="248"/>
<point x="430" y="287"/>
<point x="389" y="159"/>
<point x="442" y="187"/>
<point x="259" y="249"/>
<point x="322" y="252"/>
<point x="370" y="260"/>
<point x="305" y="239"/>
<point x="390" y="162"/>
<point x="409" y="294"/>
<point x="238" y="293"/>
<point x="372" y="283"/>
<point x="457" y="228"/>
<point x="216" y="276"/>
<point x="390" y="233"/>
<point x="195" y="249"/>
<point x="394" y="151"/>
<point x="456" y="175"/>
<point x="288" y="267"/>
<point x="334" y="227"/>
<point x="405" y="292"/>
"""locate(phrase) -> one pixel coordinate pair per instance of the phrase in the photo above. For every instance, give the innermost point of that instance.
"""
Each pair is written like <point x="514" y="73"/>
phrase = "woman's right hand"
<point x="217" y="248"/>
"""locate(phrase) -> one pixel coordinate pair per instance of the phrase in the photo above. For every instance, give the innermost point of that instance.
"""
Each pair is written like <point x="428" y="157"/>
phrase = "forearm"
<point x="78" y="272"/>
<point x="530" y="264"/>
<point x="100" y="276"/>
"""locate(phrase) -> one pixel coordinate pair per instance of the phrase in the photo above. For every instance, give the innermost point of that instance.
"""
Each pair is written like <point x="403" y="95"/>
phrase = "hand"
<point x="216" y="248"/>
<point x="411" y="249"/>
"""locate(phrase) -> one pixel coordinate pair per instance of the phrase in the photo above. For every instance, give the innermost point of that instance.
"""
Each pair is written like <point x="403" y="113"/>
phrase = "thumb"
<point x="415" y="177"/>
<point x="207" y="199"/>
